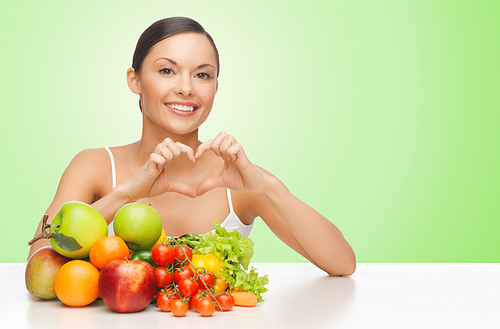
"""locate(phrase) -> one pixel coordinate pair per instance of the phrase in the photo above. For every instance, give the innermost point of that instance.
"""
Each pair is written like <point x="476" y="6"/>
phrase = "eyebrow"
<point x="175" y="63"/>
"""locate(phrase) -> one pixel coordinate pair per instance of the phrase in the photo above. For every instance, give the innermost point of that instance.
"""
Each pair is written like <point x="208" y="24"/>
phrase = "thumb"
<point x="181" y="188"/>
<point x="209" y="184"/>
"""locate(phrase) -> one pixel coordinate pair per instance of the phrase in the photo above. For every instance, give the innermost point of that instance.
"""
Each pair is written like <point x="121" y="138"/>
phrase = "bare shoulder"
<point x="90" y="169"/>
<point x="92" y="160"/>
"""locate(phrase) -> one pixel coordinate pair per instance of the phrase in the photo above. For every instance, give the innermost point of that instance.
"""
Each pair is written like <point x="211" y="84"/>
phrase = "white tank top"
<point x="231" y="223"/>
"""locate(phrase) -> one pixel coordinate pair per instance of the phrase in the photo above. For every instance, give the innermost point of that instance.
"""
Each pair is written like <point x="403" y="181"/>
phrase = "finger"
<point x="173" y="147"/>
<point x="227" y="142"/>
<point x="165" y="152"/>
<point x="209" y="184"/>
<point x="203" y="148"/>
<point x="155" y="162"/>
<point x="235" y="151"/>
<point x="181" y="188"/>
<point x="217" y="141"/>
<point x="183" y="148"/>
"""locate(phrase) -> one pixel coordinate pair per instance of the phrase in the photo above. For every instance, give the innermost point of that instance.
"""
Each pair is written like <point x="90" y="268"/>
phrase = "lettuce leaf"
<point x="235" y="254"/>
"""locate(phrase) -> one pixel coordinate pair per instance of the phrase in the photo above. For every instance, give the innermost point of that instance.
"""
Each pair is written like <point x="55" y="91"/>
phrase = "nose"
<point x="185" y="86"/>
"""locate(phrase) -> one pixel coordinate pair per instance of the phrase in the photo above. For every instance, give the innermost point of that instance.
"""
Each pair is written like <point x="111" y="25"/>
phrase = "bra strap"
<point x="113" y="170"/>
<point x="229" y="200"/>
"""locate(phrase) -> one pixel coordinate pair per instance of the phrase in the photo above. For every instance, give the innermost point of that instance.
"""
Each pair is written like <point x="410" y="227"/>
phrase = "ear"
<point x="217" y="86"/>
<point x="133" y="81"/>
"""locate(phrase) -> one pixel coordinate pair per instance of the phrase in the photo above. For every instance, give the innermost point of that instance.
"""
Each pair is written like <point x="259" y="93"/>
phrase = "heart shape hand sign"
<point x="238" y="173"/>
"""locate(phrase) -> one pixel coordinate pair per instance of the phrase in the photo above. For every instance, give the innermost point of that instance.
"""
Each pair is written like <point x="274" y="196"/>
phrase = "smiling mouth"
<point x="181" y="107"/>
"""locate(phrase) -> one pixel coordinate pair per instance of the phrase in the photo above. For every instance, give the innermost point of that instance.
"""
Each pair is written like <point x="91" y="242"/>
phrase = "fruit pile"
<point x="130" y="269"/>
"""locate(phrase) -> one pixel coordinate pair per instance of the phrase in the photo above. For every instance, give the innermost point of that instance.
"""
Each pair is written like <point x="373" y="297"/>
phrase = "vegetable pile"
<point x="208" y="272"/>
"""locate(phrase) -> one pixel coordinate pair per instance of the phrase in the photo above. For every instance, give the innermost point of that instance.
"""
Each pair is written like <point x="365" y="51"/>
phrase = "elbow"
<point x="349" y="270"/>
<point x="346" y="270"/>
<point x="346" y="267"/>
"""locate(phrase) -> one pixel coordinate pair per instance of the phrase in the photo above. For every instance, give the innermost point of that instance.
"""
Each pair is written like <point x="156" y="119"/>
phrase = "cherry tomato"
<point x="206" y="281"/>
<point x="178" y="307"/>
<point x="181" y="274"/>
<point x="226" y="301"/>
<point x="173" y="294"/>
<point x="188" y="287"/>
<point x="163" y="277"/>
<point x="163" y="301"/>
<point x="163" y="255"/>
<point x="179" y="254"/>
<point x="195" y="299"/>
<point x="206" y="307"/>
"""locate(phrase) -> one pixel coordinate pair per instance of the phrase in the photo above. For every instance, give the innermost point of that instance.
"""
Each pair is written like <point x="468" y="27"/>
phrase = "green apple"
<point x="41" y="271"/>
<point x="139" y="224"/>
<point x="80" y="221"/>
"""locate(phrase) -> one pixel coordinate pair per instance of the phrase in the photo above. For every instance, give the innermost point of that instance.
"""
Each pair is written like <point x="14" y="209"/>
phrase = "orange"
<point x="108" y="248"/>
<point x="76" y="283"/>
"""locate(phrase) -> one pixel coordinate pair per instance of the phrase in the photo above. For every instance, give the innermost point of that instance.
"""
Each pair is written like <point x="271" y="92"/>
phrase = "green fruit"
<point x="138" y="224"/>
<point x="83" y="223"/>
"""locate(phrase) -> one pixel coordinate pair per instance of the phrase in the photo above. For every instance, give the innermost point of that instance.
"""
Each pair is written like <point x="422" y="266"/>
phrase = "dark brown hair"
<point x="163" y="29"/>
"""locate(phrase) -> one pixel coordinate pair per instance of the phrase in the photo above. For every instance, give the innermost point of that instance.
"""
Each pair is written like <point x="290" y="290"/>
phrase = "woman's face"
<point x="177" y="82"/>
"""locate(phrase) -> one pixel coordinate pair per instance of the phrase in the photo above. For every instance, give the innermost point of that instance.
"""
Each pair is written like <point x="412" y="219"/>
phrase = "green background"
<point x="382" y="115"/>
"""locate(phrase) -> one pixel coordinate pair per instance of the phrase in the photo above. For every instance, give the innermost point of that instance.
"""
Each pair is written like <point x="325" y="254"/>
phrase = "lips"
<point x="183" y="109"/>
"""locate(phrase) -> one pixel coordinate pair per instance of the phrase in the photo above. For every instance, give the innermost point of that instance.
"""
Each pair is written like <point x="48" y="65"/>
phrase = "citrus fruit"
<point x="139" y="224"/>
<point x="76" y="283"/>
<point x="108" y="248"/>
<point x="80" y="221"/>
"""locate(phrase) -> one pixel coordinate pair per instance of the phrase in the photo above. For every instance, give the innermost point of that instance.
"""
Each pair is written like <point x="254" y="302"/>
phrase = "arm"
<point x="305" y="230"/>
<point x="79" y="182"/>
<point x="294" y="222"/>
<point x="82" y="181"/>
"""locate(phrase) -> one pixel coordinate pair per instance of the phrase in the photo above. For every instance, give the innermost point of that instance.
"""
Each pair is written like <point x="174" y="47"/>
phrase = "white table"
<point x="300" y="296"/>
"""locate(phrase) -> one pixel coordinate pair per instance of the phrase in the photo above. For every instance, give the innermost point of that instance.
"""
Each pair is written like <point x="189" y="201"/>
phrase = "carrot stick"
<point x="244" y="298"/>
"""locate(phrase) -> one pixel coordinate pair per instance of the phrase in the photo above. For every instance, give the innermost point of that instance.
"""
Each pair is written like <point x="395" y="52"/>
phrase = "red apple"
<point x="127" y="285"/>
<point x="41" y="271"/>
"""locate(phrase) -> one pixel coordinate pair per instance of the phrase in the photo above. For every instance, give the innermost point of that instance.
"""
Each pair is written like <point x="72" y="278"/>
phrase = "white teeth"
<point x="181" y="107"/>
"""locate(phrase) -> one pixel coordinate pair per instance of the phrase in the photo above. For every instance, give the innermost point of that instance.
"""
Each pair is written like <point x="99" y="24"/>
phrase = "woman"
<point x="175" y="73"/>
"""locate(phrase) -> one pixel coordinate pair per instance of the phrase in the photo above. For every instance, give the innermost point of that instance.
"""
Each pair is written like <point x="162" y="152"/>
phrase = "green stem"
<point x="197" y="275"/>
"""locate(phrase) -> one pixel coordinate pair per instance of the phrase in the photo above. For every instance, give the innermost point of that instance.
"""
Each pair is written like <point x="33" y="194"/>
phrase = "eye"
<point x="166" y="71"/>
<point x="203" y="76"/>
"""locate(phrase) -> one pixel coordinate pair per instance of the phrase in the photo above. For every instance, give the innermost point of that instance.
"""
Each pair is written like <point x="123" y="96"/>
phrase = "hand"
<point x="238" y="173"/>
<point x="152" y="179"/>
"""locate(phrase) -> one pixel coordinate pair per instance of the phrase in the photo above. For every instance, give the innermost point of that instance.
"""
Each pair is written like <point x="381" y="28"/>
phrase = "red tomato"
<point x="195" y="299"/>
<point x="188" y="287"/>
<point x="163" y="301"/>
<point x="181" y="253"/>
<point x="163" y="277"/>
<point x="226" y="301"/>
<point x="206" y="281"/>
<point x="173" y="294"/>
<point x="206" y="307"/>
<point x="163" y="255"/>
<point x="181" y="274"/>
<point x="178" y="307"/>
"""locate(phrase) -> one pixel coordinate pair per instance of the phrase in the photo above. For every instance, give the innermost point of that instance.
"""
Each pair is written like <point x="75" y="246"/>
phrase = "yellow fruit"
<point x="212" y="264"/>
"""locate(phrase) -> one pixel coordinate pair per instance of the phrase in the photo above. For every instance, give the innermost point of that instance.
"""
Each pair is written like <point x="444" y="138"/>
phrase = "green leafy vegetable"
<point x="235" y="254"/>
